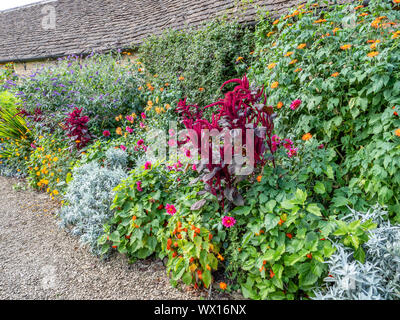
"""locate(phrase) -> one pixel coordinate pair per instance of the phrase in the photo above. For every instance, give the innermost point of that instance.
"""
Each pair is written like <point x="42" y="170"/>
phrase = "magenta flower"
<point x="33" y="146"/>
<point x="139" y="186"/>
<point x="292" y="152"/>
<point x="228" y="221"/>
<point x="140" y="142"/>
<point x="122" y="147"/>
<point x="187" y="153"/>
<point x="171" y="210"/>
<point x="194" y="167"/>
<point x="147" y="165"/>
<point x="129" y="129"/>
<point x="143" y="115"/>
<point x="142" y="125"/>
<point x="287" y="143"/>
<point x="321" y="146"/>
<point x="171" y="132"/>
<point x="129" y="118"/>
<point x="295" y="104"/>
<point x="106" y="133"/>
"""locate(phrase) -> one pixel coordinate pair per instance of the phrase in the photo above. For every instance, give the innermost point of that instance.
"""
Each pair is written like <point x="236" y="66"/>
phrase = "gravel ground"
<point x="40" y="261"/>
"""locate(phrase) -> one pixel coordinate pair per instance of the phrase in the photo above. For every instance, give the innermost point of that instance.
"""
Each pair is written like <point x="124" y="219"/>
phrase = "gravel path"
<point x="40" y="261"/>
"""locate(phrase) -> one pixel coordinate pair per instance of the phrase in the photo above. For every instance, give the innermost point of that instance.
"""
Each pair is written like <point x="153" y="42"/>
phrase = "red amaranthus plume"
<point x="242" y="108"/>
<point x="76" y="128"/>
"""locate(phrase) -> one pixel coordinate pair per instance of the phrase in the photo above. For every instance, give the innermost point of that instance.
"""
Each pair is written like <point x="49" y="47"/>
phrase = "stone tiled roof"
<point x="82" y="26"/>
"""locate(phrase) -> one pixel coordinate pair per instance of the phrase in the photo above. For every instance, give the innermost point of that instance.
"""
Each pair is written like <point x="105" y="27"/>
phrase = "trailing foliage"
<point x="343" y="62"/>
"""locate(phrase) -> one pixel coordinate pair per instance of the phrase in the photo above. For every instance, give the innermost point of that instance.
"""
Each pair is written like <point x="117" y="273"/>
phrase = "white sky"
<point x="8" y="4"/>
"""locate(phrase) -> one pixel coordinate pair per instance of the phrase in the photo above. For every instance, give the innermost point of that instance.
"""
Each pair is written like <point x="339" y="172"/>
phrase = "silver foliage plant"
<point x="89" y="196"/>
<point x="379" y="277"/>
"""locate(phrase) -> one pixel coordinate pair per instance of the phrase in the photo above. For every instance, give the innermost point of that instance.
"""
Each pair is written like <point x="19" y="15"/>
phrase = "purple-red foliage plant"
<point x="245" y="107"/>
<point x="76" y="128"/>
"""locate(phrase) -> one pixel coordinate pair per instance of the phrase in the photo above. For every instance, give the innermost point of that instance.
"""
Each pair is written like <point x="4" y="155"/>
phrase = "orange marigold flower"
<point x="396" y="1"/>
<point x="293" y="61"/>
<point x="279" y="105"/>
<point x="119" y="131"/>
<point x="270" y="33"/>
<point x="201" y="89"/>
<point x="275" y="22"/>
<point x="298" y="70"/>
<point x="359" y="7"/>
<point x="363" y="14"/>
<point x="271" y="65"/>
<point x="301" y="46"/>
<point x="239" y="59"/>
<point x="335" y="74"/>
<point x="181" y="78"/>
<point x="395" y="113"/>
<point x="345" y="46"/>
<point x="259" y="178"/>
<point x="289" y="53"/>
<point x="222" y="285"/>
<point x="274" y="84"/>
<point x="372" y="54"/>
<point x="161" y="89"/>
<point x="320" y="21"/>
<point x="306" y="136"/>
<point x="335" y="30"/>
<point x="397" y="132"/>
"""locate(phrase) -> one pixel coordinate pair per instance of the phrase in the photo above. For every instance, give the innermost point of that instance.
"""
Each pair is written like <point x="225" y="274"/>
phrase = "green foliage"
<point x="14" y="134"/>
<point x="284" y="240"/>
<point x="139" y="212"/>
<point x="350" y="97"/>
<point x="192" y="239"/>
<point x="6" y="72"/>
<point x="203" y="57"/>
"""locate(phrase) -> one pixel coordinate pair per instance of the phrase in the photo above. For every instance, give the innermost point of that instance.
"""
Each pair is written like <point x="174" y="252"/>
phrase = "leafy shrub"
<point x="195" y="61"/>
<point x="89" y="196"/>
<point x="343" y="62"/>
<point x="192" y="239"/>
<point x="100" y="84"/>
<point x="283" y="242"/>
<point x="139" y="212"/>
<point x="6" y="73"/>
<point x="376" y="279"/>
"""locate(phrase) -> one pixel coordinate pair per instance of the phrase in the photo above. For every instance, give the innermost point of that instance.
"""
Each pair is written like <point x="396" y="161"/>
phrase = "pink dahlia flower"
<point x="295" y="104"/>
<point x="171" y="210"/>
<point x="106" y="133"/>
<point x="228" y="221"/>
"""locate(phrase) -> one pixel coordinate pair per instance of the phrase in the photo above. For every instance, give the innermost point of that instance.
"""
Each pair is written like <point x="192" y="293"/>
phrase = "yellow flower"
<point x="55" y="159"/>
<point x="301" y="46"/>
<point x="306" y="136"/>
<point x="289" y="53"/>
<point x="372" y="54"/>
<point x="167" y="106"/>
<point x="270" y="33"/>
<point x="271" y="65"/>
<point x="55" y="192"/>
<point x="274" y="84"/>
<point x="239" y="59"/>
<point x="298" y="69"/>
<point x="345" y="46"/>
<point x="119" y="131"/>
<point x="293" y="61"/>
